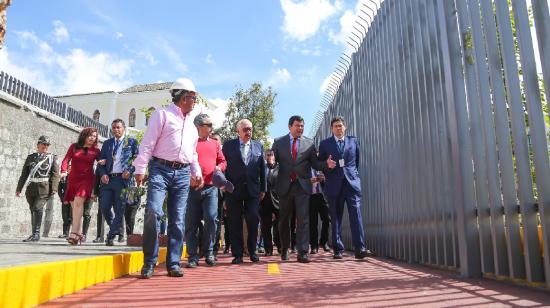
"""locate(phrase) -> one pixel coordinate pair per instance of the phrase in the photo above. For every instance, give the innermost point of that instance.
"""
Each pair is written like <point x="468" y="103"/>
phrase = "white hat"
<point x="183" y="84"/>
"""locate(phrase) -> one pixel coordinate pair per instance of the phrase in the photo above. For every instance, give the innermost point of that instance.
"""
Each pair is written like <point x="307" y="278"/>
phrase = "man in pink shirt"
<point x="203" y="203"/>
<point x="168" y="149"/>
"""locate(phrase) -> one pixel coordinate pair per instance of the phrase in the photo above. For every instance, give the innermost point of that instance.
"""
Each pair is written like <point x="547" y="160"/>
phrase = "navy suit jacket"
<point x="350" y="171"/>
<point x="129" y="152"/>
<point x="249" y="177"/>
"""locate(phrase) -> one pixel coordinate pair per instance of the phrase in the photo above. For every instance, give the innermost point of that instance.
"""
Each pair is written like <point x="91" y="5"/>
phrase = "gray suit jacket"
<point x="305" y="160"/>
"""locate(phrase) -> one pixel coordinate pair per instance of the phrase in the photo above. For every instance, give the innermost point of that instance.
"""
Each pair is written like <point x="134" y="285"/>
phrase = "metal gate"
<point x="452" y="117"/>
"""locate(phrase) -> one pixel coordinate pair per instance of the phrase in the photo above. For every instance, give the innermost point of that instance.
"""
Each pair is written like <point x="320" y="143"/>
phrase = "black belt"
<point x="172" y="164"/>
<point x="112" y="175"/>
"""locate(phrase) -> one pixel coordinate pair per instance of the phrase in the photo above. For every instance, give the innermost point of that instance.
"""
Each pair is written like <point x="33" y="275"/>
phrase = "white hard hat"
<point x="183" y="84"/>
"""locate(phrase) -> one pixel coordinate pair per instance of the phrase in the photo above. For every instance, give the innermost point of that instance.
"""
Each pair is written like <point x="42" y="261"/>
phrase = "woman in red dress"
<point x="80" y="182"/>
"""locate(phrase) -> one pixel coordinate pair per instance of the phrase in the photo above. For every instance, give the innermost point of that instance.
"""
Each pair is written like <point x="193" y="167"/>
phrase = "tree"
<point x="255" y="104"/>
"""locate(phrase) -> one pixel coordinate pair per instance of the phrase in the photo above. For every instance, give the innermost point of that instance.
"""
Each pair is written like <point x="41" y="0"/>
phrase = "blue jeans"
<point x="109" y="197"/>
<point x="175" y="182"/>
<point x="202" y="204"/>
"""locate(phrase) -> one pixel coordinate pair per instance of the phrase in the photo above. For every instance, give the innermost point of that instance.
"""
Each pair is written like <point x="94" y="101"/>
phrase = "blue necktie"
<point x="117" y="144"/>
<point x="341" y="147"/>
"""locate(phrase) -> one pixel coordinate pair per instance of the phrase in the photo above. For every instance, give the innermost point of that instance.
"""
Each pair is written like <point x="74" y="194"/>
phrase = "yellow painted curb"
<point x="273" y="269"/>
<point x="30" y="285"/>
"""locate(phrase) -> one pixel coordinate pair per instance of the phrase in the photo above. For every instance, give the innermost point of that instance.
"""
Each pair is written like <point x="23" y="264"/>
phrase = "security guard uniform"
<point x="40" y="176"/>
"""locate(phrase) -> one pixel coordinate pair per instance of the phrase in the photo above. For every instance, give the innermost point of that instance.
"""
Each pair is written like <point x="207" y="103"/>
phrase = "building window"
<point x="132" y="118"/>
<point x="96" y="115"/>
<point x="148" y="114"/>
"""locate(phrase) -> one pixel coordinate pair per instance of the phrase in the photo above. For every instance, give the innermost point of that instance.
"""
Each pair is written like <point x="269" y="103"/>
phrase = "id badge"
<point x="341" y="162"/>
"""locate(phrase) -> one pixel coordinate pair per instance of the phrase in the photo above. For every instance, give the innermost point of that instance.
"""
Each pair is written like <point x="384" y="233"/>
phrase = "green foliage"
<point x="255" y="104"/>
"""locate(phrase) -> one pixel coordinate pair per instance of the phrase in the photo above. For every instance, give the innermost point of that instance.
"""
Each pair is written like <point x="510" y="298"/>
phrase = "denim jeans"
<point x="109" y="197"/>
<point x="174" y="182"/>
<point x="202" y="204"/>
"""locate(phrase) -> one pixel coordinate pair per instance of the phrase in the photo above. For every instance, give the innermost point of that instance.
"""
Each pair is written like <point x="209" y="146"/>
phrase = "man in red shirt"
<point x="203" y="203"/>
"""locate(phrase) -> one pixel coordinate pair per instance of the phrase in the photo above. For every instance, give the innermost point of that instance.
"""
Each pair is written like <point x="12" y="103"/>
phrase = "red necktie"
<point x="294" y="154"/>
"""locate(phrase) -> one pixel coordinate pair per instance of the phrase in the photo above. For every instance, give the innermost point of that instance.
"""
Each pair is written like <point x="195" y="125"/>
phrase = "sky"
<point x="69" y="46"/>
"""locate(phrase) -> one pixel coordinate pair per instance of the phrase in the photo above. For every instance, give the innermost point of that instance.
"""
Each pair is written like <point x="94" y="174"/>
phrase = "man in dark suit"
<point x="296" y="156"/>
<point x="246" y="170"/>
<point x="342" y="184"/>
<point x="269" y="207"/>
<point x="118" y="153"/>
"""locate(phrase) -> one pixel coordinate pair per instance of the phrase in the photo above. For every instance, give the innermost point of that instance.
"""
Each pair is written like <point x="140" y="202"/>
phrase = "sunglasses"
<point x="193" y="97"/>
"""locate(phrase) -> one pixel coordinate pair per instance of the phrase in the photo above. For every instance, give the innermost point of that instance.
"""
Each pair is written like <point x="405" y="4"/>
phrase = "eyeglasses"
<point x="247" y="129"/>
<point x="193" y="97"/>
<point x="206" y="124"/>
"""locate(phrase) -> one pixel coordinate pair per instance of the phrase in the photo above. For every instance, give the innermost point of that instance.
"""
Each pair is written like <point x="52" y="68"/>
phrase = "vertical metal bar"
<point x="477" y="136"/>
<point x="536" y="129"/>
<point x="526" y="199"/>
<point x="541" y="17"/>
<point x="495" y="222"/>
<point x="511" y="230"/>
<point x="468" y="239"/>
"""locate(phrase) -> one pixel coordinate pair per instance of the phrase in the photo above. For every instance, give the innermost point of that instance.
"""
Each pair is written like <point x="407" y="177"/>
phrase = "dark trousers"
<point x="318" y="207"/>
<point x="236" y="208"/>
<point x="36" y="206"/>
<point x="296" y="199"/>
<point x="219" y="224"/>
<point x="87" y="216"/>
<point x="109" y="196"/>
<point x="267" y="211"/>
<point x="227" y="232"/>
<point x="100" y="224"/>
<point x="130" y="218"/>
<point x="336" y="208"/>
<point x="66" y="214"/>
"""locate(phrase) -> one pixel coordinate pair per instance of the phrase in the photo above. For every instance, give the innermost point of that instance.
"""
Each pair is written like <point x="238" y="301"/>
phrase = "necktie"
<point x="341" y="147"/>
<point x="244" y="152"/>
<point x="294" y="155"/>
<point x="115" y="149"/>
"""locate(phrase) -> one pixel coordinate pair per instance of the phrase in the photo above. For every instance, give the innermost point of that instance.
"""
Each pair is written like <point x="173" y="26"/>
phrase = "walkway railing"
<point x="30" y="95"/>
<point x="449" y="107"/>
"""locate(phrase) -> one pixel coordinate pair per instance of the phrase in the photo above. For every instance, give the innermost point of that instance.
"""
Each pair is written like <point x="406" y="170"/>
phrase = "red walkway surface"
<point x="323" y="282"/>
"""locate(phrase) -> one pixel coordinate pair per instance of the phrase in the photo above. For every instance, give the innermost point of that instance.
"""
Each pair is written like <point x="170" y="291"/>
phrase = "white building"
<point x="127" y="104"/>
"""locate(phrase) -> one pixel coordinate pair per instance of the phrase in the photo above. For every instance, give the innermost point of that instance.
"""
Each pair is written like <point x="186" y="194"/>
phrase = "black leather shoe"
<point x="63" y="236"/>
<point x="237" y="260"/>
<point x="226" y="251"/>
<point x="326" y="248"/>
<point x="147" y="271"/>
<point x="210" y="260"/>
<point x="192" y="264"/>
<point x="98" y="240"/>
<point x="83" y="239"/>
<point x="268" y="253"/>
<point x="337" y="255"/>
<point x="284" y="256"/>
<point x="121" y="239"/>
<point x="175" y="272"/>
<point x="110" y="241"/>
<point x="314" y="250"/>
<point x="303" y="258"/>
<point x="254" y="258"/>
<point x="360" y="254"/>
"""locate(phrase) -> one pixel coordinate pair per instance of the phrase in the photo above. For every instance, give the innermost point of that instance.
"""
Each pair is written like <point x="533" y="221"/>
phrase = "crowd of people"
<point x="195" y="184"/>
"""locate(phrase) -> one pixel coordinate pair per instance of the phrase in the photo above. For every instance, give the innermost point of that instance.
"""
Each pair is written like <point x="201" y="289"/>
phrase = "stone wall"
<point x="20" y="127"/>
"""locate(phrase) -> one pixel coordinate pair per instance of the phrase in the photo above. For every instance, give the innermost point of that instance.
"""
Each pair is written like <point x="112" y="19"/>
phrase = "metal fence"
<point x="450" y="110"/>
<point x="30" y="95"/>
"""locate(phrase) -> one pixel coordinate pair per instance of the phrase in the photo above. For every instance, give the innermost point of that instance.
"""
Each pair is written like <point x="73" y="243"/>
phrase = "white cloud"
<point x="173" y="56"/>
<point x="42" y="52"/>
<point x="85" y="72"/>
<point x="302" y="20"/>
<point x="274" y="61"/>
<point x="324" y="84"/>
<point x="346" y="27"/>
<point x="118" y="35"/>
<point x="58" y="73"/>
<point x="209" y="59"/>
<point x="60" y="32"/>
<point x="216" y="110"/>
<point x="148" y="56"/>
<point x="280" y="77"/>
